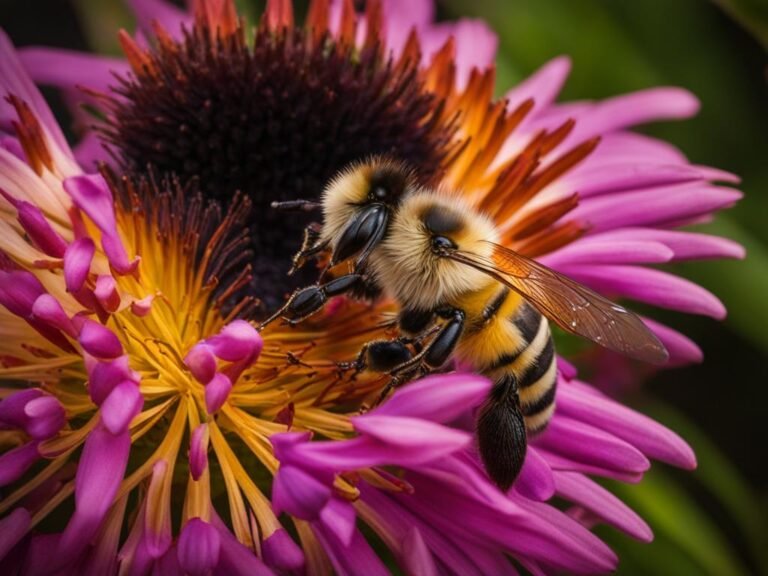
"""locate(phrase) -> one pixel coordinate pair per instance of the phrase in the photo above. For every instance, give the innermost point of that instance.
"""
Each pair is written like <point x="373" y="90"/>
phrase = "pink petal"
<point x="636" y="108"/>
<point x="629" y="147"/>
<point x="199" y="547"/>
<point x="535" y="481"/>
<point x="542" y="86"/>
<point x="90" y="152"/>
<point x="99" y="474"/>
<point x="582" y="491"/>
<point x="236" y="341"/>
<point x="298" y="493"/>
<point x="400" y="16"/>
<point x="578" y="400"/>
<point x="12" y="529"/>
<point x="14" y="80"/>
<point x="432" y="440"/>
<point x="104" y="376"/>
<point x="91" y="194"/>
<point x="121" y="406"/>
<point x="142" y="307"/>
<point x="353" y="560"/>
<point x="18" y="291"/>
<point x="660" y="206"/>
<point x="106" y="292"/>
<point x="99" y="340"/>
<point x="237" y="560"/>
<point x="68" y="68"/>
<point x="339" y="517"/>
<point x="279" y="551"/>
<point x="682" y="350"/>
<point x="48" y="309"/>
<point x="201" y="362"/>
<point x="216" y="392"/>
<point x="198" y="451"/>
<point x="46" y="417"/>
<point x="591" y="251"/>
<point x="13" y="407"/>
<point x="441" y="398"/>
<point x="590" y="445"/>
<point x="170" y="18"/>
<point x="651" y="286"/>
<point x="40" y="230"/>
<point x="416" y="555"/>
<point x="77" y="263"/>
<point x="16" y="461"/>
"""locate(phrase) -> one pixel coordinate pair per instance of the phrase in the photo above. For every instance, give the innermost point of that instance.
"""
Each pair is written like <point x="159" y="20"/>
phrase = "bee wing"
<point x="573" y="307"/>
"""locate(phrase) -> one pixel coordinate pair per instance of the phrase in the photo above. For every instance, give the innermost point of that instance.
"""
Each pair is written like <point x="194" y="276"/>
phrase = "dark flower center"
<point x="274" y="120"/>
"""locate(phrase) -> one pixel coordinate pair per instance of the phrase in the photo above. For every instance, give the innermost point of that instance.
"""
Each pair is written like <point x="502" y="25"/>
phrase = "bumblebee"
<point x="461" y="296"/>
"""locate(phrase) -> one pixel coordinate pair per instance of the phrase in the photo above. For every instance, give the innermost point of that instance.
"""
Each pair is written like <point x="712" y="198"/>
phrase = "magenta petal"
<point x="682" y="350"/>
<point x="339" y="517"/>
<point x="46" y="417"/>
<point x="198" y="451"/>
<point x="298" y="493"/>
<point x="99" y="473"/>
<point x="164" y="13"/>
<point x="416" y="555"/>
<point x="201" y="362"/>
<point x="585" y="443"/>
<point x="578" y="400"/>
<point x="104" y="376"/>
<point x="48" y="309"/>
<point x="121" y="406"/>
<point x="99" y="340"/>
<point x="476" y="45"/>
<point x="216" y="392"/>
<point x="238" y="340"/>
<point x="18" y="291"/>
<point x="16" y="461"/>
<point x="68" y="68"/>
<point x="91" y="194"/>
<point x="543" y="86"/>
<point x="432" y="440"/>
<point x="77" y="263"/>
<point x="40" y="230"/>
<point x="589" y="251"/>
<point x="580" y="490"/>
<point x="535" y="481"/>
<point x="13" y="407"/>
<point x="237" y="560"/>
<point x="279" y="551"/>
<point x="199" y="547"/>
<point x="651" y="286"/>
<point x="106" y="292"/>
<point x="441" y="398"/>
<point x="354" y="559"/>
<point x="12" y="529"/>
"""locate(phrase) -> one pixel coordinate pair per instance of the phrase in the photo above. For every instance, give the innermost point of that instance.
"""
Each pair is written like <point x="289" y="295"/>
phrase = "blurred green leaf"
<point x="752" y="14"/>
<point x="101" y="21"/>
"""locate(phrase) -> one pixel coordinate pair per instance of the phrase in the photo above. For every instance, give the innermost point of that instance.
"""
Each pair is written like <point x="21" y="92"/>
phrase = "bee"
<point x="461" y="296"/>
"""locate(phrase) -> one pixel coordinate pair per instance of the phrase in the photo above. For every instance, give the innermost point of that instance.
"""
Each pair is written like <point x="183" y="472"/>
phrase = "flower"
<point x="185" y="441"/>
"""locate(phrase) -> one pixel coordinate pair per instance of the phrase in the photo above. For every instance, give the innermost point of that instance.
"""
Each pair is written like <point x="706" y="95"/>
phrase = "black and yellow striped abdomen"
<point x="509" y="341"/>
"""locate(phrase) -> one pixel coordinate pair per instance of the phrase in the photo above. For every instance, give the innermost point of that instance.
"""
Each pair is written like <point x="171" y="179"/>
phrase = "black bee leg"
<point x="434" y="355"/>
<point x="310" y="246"/>
<point x="307" y="301"/>
<point x="302" y="205"/>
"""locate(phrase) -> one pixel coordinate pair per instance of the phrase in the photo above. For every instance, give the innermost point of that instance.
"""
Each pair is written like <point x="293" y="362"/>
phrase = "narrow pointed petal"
<point x="77" y="263"/>
<point x="16" y="461"/>
<point x="12" y="530"/>
<point x="416" y="555"/>
<point x="198" y="451"/>
<point x="121" y="406"/>
<point x="298" y="493"/>
<point x="216" y="392"/>
<point x="99" y="341"/>
<point x="280" y="552"/>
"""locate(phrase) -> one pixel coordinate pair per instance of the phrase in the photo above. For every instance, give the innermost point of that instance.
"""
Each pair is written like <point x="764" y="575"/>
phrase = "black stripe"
<point x="527" y="319"/>
<point x="539" y="367"/>
<point x="493" y="306"/>
<point x="543" y="402"/>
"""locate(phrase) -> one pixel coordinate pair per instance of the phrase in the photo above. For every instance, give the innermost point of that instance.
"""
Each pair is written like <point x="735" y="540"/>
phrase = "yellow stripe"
<point x="539" y="421"/>
<point x="535" y="391"/>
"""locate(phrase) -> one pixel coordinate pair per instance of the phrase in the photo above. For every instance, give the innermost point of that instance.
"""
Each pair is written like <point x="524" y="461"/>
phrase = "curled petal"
<point x="198" y="451"/>
<point x="48" y="309"/>
<point x="279" y="551"/>
<point x="238" y="340"/>
<point x="106" y="292"/>
<point x="201" y="362"/>
<point x="77" y="263"/>
<point x="40" y="230"/>
<point x="45" y="417"/>
<point x="339" y="517"/>
<point x="18" y="291"/>
<point x="99" y="340"/>
<point x="216" y="392"/>
<point x="299" y="493"/>
<point x="16" y="461"/>
<point x="199" y="547"/>
<point x="12" y="529"/>
<point x="91" y="194"/>
<point x="121" y="406"/>
<point x="104" y="376"/>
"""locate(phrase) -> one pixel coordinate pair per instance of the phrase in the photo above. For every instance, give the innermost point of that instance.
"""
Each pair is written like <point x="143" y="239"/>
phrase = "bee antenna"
<point x="303" y="205"/>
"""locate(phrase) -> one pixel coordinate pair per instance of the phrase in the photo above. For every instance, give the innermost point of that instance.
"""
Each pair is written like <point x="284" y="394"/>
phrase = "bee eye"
<point x="441" y="244"/>
<point x="379" y="193"/>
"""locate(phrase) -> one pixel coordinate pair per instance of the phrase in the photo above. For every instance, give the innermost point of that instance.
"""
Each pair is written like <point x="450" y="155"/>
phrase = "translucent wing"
<point x="573" y="307"/>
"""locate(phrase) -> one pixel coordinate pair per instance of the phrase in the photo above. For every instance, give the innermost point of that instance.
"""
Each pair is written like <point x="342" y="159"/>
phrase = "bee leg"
<point x="310" y="246"/>
<point x="501" y="433"/>
<point x="305" y="302"/>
